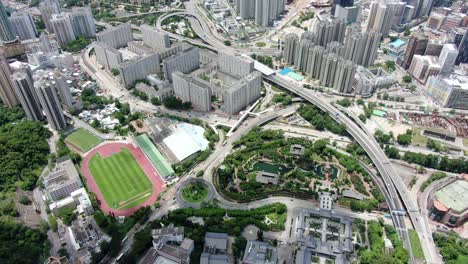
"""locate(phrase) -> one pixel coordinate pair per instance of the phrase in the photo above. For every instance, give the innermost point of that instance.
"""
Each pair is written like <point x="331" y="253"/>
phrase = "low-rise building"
<point x="338" y="247"/>
<point x="82" y="233"/>
<point x="297" y="149"/>
<point x="257" y="252"/>
<point x="215" y="249"/>
<point x="448" y="203"/>
<point x="326" y="200"/>
<point x="78" y="199"/>
<point x="169" y="246"/>
<point x="62" y="180"/>
<point x="369" y="81"/>
<point x="267" y="177"/>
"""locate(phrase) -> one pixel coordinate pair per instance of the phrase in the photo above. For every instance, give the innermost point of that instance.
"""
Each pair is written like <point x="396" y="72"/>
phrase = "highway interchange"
<point x="394" y="191"/>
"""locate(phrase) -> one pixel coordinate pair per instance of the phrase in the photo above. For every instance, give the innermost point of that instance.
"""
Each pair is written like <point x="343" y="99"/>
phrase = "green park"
<point x="268" y="152"/>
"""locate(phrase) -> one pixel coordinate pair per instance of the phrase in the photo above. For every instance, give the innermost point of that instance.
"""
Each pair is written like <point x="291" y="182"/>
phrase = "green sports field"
<point x="83" y="140"/>
<point x="121" y="180"/>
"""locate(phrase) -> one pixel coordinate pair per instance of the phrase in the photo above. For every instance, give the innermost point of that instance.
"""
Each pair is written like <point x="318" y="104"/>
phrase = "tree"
<point x="390" y="65"/>
<point x="34" y="3"/>
<point x="78" y="44"/>
<point x="407" y="78"/>
<point x="405" y="139"/>
<point x="155" y="101"/>
<point x="53" y="223"/>
<point x="363" y="118"/>
<point x="381" y="137"/>
<point x="23" y="199"/>
<point x="227" y="43"/>
<point x="392" y="153"/>
<point x="175" y="103"/>
<point x="115" y="72"/>
<point x="434" y="145"/>
<point x="20" y="244"/>
<point x="23" y="149"/>
<point x="67" y="215"/>
<point x="407" y="32"/>
<point x="344" y="102"/>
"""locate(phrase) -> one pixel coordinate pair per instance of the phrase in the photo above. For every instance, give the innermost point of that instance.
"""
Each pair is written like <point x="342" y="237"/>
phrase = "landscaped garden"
<point x="195" y="192"/>
<point x="268" y="151"/>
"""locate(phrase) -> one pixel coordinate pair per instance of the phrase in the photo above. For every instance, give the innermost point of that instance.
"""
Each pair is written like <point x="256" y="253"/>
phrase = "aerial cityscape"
<point x="224" y="132"/>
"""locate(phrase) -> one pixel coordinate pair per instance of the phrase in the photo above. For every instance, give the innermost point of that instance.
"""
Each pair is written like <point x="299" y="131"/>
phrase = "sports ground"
<point x="83" y="140"/>
<point x="122" y="178"/>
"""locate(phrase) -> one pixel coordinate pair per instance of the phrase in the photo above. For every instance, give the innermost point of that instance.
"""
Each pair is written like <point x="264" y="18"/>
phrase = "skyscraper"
<point x="6" y="29"/>
<point x="379" y="18"/>
<point x="83" y="22"/>
<point x="63" y="90"/>
<point x="26" y="94"/>
<point x="290" y="44"/>
<point x="45" y="42"/>
<point x="23" y="25"/>
<point x="50" y="104"/>
<point x="361" y="47"/>
<point x="463" y="49"/>
<point x="327" y="31"/>
<point x="7" y="94"/>
<point x="263" y="11"/>
<point x="416" y="46"/>
<point x="63" y="28"/>
<point x="47" y="9"/>
<point x="447" y="58"/>
<point x="342" y="3"/>
<point x="344" y="77"/>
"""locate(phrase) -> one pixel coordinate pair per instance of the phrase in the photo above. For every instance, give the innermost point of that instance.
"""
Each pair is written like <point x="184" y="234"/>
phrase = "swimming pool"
<point x="285" y="71"/>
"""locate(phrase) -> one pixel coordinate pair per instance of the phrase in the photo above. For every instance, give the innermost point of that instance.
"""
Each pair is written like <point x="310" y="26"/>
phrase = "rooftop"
<point x="156" y="158"/>
<point x="454" y="195"/>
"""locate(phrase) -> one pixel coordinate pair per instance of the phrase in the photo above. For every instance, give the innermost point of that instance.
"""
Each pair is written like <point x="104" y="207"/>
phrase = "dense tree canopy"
<point x="321" y="120"/>
<point x="20" y="244"/>
<point x="23" y="149"/>
<point x="77" y="44"/>
<point x="453" y="248"/>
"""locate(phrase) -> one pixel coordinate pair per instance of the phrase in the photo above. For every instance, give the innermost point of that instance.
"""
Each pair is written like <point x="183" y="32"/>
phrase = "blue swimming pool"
<point x="285" y="71"/>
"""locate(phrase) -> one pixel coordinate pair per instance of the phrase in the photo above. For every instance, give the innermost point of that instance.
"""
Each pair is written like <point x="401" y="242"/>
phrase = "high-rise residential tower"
<point x="290" y="45"/>
<point x="50" y="104"/>
<point x="7" y="94"/>
<point x="83" y="22"/>
<point x="116" y="37"/>
<point x="26" y="94"/>
<point x="47" y="9"/>
<point x="6" y="29"/>
<point x="23" y="25"/>
<point x="63" y="28"/>
<point x="262" y="11"/>
<point x="154" y="38"/>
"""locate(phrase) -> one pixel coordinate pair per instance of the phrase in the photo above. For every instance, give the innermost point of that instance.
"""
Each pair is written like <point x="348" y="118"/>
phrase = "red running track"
<point x="106" y="150"/>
